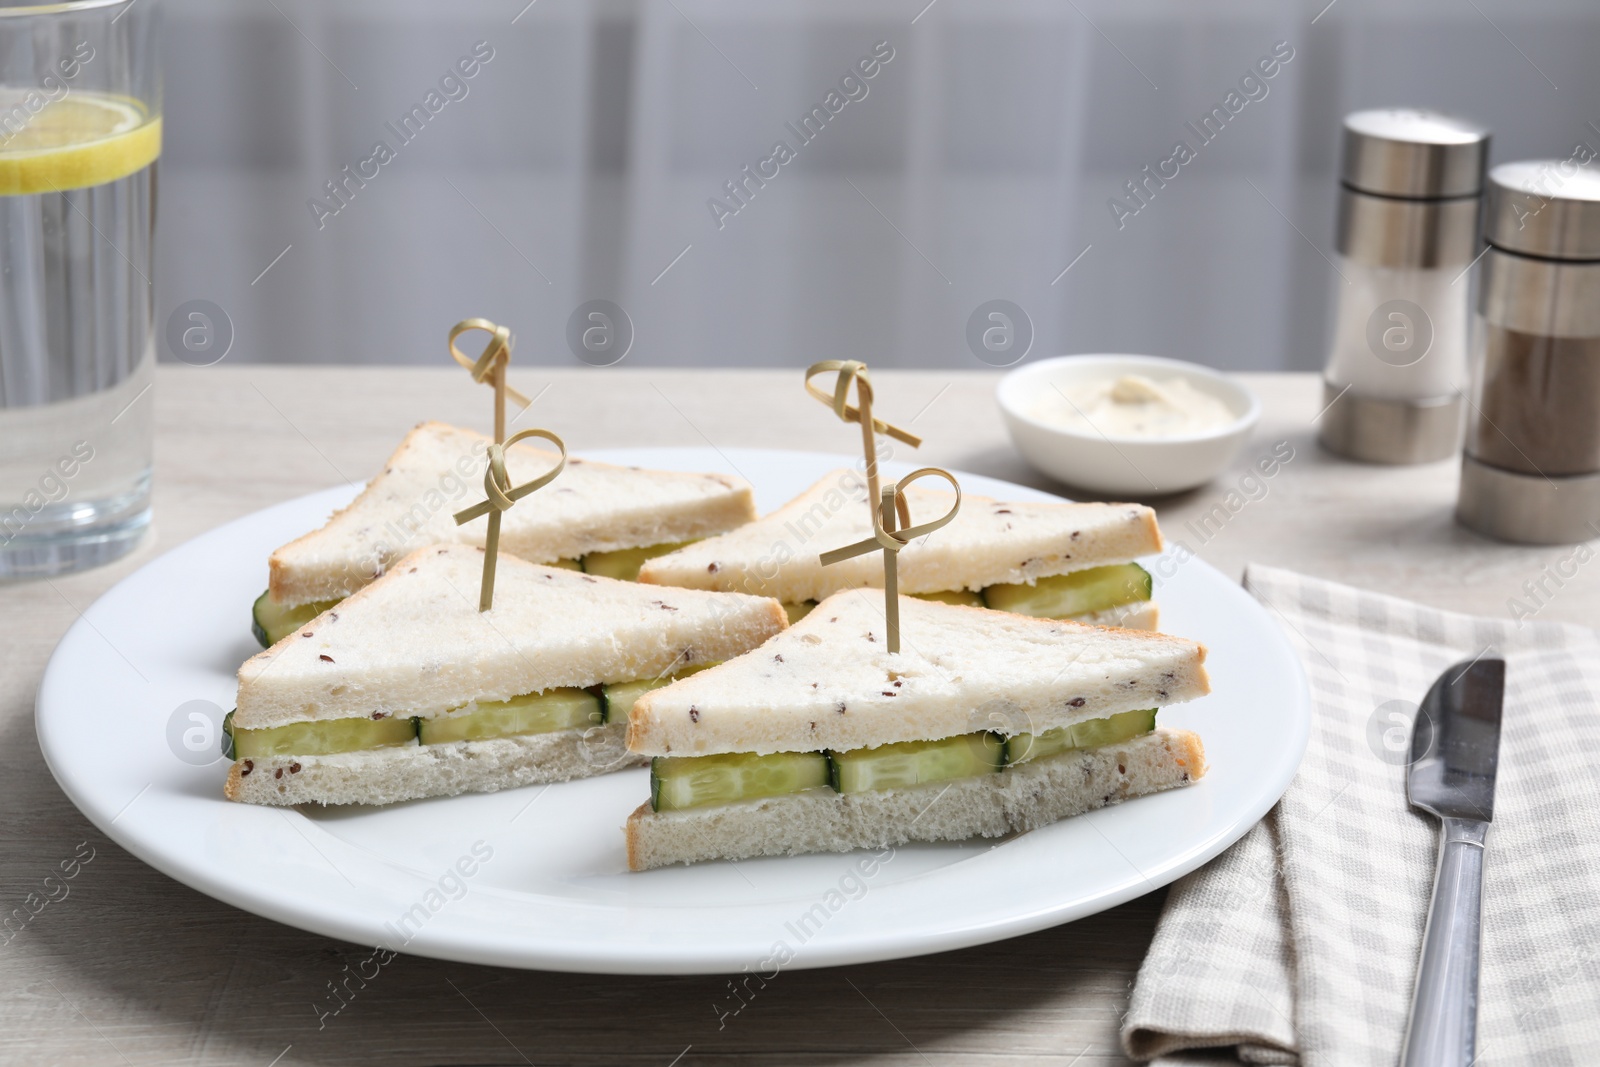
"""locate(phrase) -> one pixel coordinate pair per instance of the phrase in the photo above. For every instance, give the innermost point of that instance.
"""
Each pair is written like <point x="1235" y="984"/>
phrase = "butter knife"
<point x="1455" y="751"/>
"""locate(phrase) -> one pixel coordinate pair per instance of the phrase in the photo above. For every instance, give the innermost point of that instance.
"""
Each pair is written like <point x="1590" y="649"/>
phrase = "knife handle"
<point x="1444" y="1007"/>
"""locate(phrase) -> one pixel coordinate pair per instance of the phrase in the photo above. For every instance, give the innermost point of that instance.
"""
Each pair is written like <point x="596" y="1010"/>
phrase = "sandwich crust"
<point x="989" y="542"/>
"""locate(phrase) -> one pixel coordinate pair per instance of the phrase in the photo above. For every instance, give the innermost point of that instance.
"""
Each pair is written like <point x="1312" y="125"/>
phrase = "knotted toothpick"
<point x="497" y="487"/>
<point x="490" y="366"/>
<point x="853" y="370"/>
<point x="890" y="512"/>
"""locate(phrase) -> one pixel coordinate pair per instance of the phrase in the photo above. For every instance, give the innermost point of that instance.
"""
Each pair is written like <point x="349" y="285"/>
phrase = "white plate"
<point x="555" y="892"/>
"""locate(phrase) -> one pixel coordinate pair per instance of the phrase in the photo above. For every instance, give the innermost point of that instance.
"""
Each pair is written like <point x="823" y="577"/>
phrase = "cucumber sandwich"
<point x="599" y="518"/>
<point x="407" y="690"/>
<point x="986" y="723"/>
<point x="1059" y="561"/>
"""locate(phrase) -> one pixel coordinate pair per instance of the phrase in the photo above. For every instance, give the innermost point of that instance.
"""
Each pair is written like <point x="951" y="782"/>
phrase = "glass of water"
<point x="80" y="132"/>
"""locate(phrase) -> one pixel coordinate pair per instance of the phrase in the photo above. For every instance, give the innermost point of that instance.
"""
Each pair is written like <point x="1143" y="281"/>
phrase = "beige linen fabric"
<point x="1299" y="945"/>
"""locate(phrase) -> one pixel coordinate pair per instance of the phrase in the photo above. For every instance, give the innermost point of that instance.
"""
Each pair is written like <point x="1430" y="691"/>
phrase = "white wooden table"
<point x="133" y="967"/>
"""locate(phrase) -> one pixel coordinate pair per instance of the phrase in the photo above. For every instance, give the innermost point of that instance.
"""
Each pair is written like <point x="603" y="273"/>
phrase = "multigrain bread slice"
<point x="989" y="542"/>
<point x="828" y="682"/>
<point x="414" y="644"/>
<point x="390" y="775"/>
<point x="438" y="470"/>
<point x="1022" y="797"/>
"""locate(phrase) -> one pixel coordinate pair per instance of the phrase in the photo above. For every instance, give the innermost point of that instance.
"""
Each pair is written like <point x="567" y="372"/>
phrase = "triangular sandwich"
<point x="595" y="516"/>
<point x="1060" y="561"/>
<point x="406" y="690"/>
<point x="984" y="724"/>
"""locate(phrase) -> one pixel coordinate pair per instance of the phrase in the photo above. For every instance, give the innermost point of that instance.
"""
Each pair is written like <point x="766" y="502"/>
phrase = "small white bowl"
<point x="1134" y="466"/>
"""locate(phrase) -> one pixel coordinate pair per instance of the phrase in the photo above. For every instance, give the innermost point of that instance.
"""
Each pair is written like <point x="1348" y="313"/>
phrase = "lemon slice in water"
<point x="80" y="140"/>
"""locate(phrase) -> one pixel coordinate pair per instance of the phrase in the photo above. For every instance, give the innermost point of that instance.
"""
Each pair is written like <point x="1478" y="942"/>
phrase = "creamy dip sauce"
<point x="1131" y="406"/>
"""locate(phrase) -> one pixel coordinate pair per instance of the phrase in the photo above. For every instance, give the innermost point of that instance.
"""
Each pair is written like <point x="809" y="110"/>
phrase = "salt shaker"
<point x="1531" y="467"/>
<point x="1407" y="233"/>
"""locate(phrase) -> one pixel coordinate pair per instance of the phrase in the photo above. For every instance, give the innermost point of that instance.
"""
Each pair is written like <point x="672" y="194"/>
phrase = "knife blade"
<point x="1455" y="755"/>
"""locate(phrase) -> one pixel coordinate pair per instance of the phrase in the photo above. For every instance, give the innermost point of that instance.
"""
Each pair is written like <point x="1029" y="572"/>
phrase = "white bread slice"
<point x="414" y="642"/>
<point x="1018" y="798"/>
<point x="438" y="470"/>
<point x="828" y="682"/>
<point x="988" y="542"/>
<point x="390" y="775"/>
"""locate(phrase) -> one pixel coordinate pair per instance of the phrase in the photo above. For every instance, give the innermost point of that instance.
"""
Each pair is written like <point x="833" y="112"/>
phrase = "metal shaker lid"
<point x="1545" y="207"/>
<point x="1412" y="153"/>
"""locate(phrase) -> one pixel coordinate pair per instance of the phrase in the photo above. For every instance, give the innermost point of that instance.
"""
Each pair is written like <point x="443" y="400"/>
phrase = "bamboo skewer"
<point x="499" y="494"/>
<point x="892" y="529"/>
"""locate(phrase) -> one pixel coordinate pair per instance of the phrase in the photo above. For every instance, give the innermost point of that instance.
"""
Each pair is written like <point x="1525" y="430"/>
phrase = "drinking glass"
<point x="80" y="132"/>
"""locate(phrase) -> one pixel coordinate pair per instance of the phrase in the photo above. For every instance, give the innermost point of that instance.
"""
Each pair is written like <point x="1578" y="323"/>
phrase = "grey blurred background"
<point x="979" y="165"/>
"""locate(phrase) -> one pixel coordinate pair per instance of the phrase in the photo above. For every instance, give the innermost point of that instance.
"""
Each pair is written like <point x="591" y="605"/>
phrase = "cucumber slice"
<point x="908" y="763"/>
<point x="271" y="622"/>
<point x="1090" y="733"/>
<point x="964" y="597"/>
<point x="535" y="713"/>
<point x="227" y="735"/>
<point x="1108" y="731"/>
<point x="618" y="698"/>
<point x="796" y="612"/>
<point x="323" y="738"/>
<point x="679" y="782"/>
<point x="567" y="564"/>
<point x="1021" y="747"/>
<point x="1082" y="592"/>
<point x="624" y="563"/>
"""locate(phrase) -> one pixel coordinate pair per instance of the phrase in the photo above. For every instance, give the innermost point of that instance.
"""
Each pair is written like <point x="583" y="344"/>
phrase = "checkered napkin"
<point x="1300" y="943"/>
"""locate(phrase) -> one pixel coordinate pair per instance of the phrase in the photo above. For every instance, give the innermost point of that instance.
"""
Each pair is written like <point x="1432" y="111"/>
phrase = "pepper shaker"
<point x="1531" y="468"/>
<point x="1407" y="233"/>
